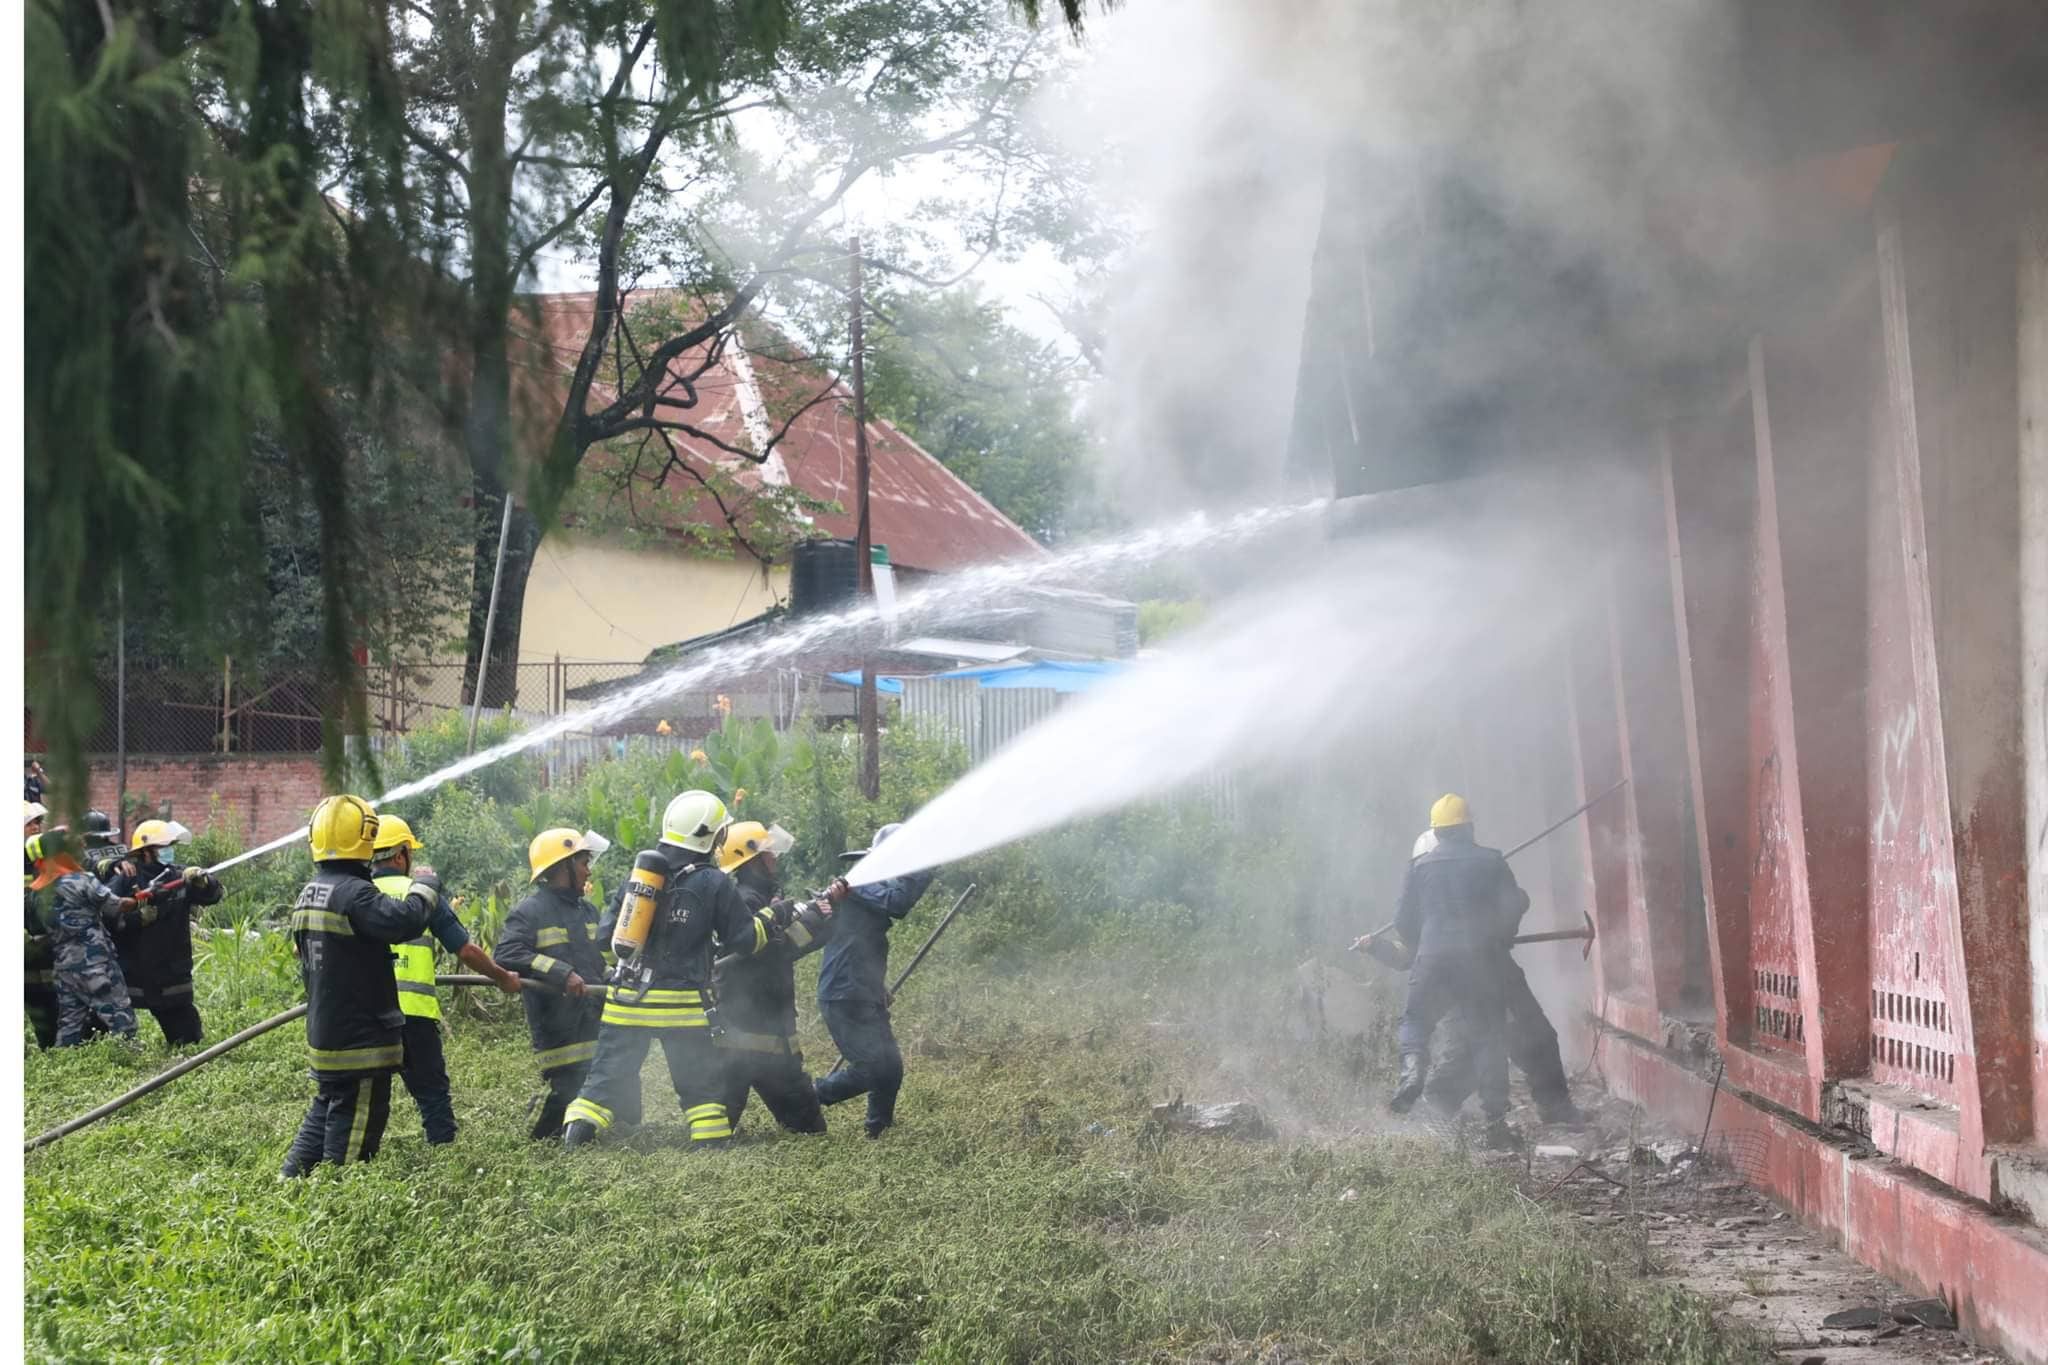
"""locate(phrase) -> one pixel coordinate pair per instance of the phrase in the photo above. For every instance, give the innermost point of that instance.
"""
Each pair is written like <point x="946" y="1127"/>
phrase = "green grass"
<point x="1025" y="1209"/>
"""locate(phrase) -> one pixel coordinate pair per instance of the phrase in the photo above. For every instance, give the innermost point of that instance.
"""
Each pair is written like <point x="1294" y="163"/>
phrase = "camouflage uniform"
<point x="89" y="982"/>
<point x="39" y="972"/>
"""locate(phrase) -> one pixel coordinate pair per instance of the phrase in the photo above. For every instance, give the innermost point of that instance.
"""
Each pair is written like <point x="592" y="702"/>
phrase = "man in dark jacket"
<point x="853" y="991"/>
<point x="677" y="910"/>
<point x="757" y="995"/>
<point x="1531" y="1040"/>
<point x="1459" y="904"/>
<point x="552" y="937"/>
<point x="155" y="940"/>
<point x="344" y="928"/>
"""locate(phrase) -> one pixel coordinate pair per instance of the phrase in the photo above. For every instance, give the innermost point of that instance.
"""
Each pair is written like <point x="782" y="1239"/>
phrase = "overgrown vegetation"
<point x="1027" y="1207"/>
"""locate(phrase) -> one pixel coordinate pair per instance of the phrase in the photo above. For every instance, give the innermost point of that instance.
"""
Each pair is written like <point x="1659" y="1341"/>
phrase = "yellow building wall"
<point x="593" y="602"/>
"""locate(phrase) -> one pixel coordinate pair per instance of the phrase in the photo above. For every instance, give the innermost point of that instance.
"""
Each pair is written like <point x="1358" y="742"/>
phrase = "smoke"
<point x="1225" y="130"/>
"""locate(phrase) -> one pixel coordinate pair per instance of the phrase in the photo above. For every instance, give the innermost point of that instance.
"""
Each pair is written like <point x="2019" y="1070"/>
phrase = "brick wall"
<point x="267" y="794"/>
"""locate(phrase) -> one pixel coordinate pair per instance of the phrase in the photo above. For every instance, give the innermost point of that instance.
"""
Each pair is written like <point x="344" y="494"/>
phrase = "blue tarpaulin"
<point x="1059" y="677"/>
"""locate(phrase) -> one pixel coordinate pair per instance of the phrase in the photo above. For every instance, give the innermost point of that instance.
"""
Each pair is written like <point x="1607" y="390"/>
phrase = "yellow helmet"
<point x="158" y="834"/>
<point x="747" y="839"/>
<point x="344" y="829"/>
<point x="393" y="832"/>
<point x="550" y="846"/>
<point x="1450" y="809"/>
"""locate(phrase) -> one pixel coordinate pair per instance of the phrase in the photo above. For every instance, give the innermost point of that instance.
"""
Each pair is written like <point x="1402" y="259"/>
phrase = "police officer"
<point x="344" y="928"/>
<point x="1459" y="903"/>
<point x="853" y="993"/>
<point x="425" y="1069"/>
<point x="677" y="908"/>
<point x="89" y="982"/>
<point x="155" y="941"/>
<point x="1531" y="1040"/>
<point x="757" y="995"/>
<point x="551" y="936"/>
<point x="39" y="961"/>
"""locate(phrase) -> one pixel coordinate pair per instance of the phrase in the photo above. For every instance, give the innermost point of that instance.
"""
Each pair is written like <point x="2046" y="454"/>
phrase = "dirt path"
<point x="1704" y="1228"/>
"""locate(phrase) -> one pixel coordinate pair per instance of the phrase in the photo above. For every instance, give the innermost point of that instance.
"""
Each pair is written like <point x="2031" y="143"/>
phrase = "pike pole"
<point x="1553" y="827"/>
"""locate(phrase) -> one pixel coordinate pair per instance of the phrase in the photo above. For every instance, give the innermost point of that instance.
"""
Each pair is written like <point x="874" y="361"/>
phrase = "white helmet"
<point x="1425" y="842"/>
<point x="693" y="820"/>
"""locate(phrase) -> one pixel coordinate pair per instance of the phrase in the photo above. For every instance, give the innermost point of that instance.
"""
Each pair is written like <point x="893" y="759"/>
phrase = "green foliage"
<point x="1159" y="620"/>
<point x="445" y="740"/>
<point x="993" y="404"/>
<point x="472" y="843"/>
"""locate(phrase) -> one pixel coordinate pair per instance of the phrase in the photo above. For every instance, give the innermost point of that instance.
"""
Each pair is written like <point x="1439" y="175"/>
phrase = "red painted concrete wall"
<point x="265" y="795"/>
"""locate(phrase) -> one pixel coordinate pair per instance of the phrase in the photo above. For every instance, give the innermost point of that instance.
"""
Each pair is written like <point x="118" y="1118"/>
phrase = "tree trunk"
<point x="487" y="426"/>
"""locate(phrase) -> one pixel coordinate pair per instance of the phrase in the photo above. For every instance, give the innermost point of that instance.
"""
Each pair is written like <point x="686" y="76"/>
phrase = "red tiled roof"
<point x="927" y="516"/>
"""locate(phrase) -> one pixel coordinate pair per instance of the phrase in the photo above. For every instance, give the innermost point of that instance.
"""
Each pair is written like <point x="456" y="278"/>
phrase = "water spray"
<point x="1192" y="532"/>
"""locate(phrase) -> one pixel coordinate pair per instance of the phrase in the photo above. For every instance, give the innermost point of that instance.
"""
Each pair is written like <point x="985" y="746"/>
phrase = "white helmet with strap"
<point x="693" y="821"/>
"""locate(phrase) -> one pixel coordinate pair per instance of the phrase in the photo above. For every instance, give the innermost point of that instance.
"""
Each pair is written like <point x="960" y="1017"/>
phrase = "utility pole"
<point x="864" y="554"/>
<point x="120" y="700"/>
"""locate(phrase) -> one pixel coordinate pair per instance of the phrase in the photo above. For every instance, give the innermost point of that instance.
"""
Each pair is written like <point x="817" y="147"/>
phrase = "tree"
<point x="533" y="133"/>
<point x="991" y="403"/>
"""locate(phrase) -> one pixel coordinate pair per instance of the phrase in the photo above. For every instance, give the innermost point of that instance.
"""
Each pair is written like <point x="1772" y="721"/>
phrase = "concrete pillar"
<point x="2033" y="516"/>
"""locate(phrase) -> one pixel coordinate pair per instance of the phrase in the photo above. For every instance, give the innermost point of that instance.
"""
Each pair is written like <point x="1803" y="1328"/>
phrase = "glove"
<point x="782" y="910"/>
<point x="200" y="884"/>
<point x="429" y="880"/>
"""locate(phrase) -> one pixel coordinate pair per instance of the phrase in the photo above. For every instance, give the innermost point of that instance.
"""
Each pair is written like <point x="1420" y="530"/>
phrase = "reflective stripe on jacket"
<point x="412" y="962"/>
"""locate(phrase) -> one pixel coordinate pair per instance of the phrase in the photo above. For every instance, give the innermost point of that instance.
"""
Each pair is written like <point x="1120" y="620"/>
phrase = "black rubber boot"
<point x="1414" y="1073"/>
<point x="1561" y="1111"/>
<point x="1500" y="1136"/>
<point x="578" y="1133"/>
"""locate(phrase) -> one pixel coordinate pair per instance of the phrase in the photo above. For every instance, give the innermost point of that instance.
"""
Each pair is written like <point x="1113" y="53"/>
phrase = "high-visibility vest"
<point x="412" y="961"/>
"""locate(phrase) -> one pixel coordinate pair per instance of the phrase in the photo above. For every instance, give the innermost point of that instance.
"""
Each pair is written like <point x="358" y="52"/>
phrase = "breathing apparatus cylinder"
<point x="636" y="924"/>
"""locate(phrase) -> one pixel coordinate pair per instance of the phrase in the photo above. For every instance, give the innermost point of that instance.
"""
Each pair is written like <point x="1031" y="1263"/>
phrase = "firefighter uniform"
<point x="424" y="1071"/>
<point x="550" y="935"/>
<point x="853" y="994"/>
<point x="1458" y="903"/>
<point x="757" y="1016"/>
<point x="344" y="928"/>
<point x="696" y="910"/>
<point x="155" y="944"/>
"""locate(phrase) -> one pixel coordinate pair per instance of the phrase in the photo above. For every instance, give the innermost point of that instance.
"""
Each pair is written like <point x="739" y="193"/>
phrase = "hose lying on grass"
<point x="221" y="1048"/>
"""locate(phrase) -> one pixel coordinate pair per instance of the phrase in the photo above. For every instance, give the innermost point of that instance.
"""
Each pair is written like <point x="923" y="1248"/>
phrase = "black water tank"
<point x="823" y="576"/>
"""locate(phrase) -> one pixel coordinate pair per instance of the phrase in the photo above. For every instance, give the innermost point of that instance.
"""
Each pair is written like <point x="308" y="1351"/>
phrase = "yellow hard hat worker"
<point x="343" y="829"/>
<point x="748" y="839"/>
<point x="158" y="834"/>
<point x="551" y="846"/>
<point x="394" y="832"/>
<point x="1450" y="809"/>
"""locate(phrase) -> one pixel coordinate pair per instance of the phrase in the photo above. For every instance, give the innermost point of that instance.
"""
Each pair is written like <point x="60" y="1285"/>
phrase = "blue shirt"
<point x="856" y="962"/>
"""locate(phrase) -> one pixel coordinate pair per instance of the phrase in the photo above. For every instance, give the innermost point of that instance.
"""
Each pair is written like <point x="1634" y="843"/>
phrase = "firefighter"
<point x="1531" y="1040"/>
<point x="676" y="909"/>
<point x="551" y="936"/>
<point x="103" y="855"/>
<point x="425" y="1069"/>
<point x="155" y="941"/>
<point x="757" y="995"/>
<point x="853" y="993"/>
<point x="89" y="982"/>
<point x="1459" y="903"/>
<point x="343" y="929"/>
<point x="39" y="963"/>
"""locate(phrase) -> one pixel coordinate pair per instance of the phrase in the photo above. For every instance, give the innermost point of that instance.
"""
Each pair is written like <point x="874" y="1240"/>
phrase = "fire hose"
<point x="904" y="976"/>
<point x="227" y="1045"/>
